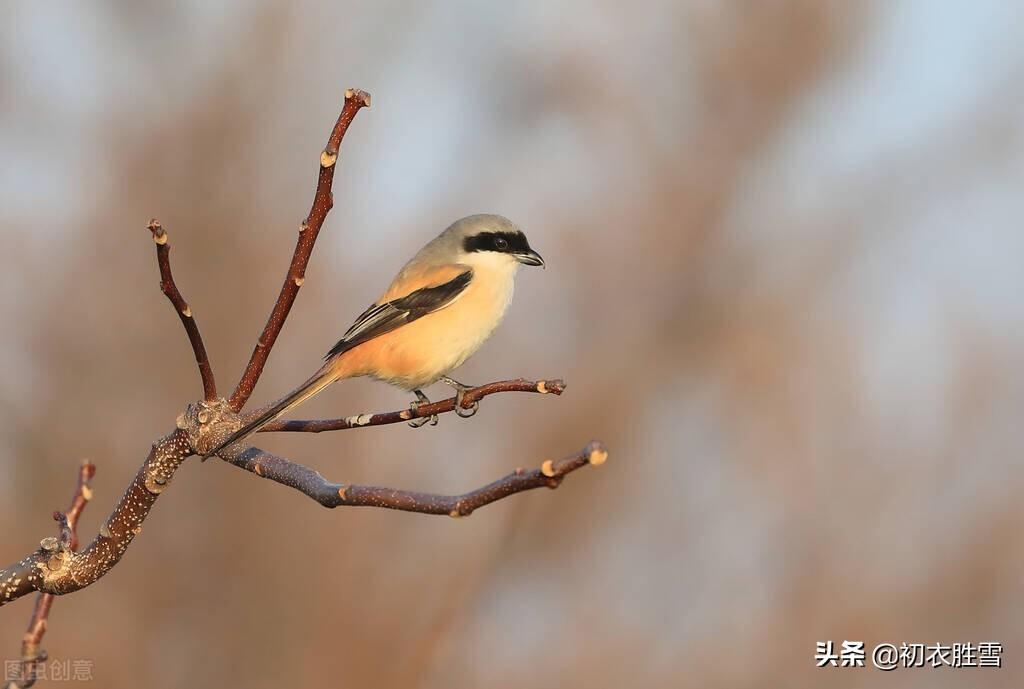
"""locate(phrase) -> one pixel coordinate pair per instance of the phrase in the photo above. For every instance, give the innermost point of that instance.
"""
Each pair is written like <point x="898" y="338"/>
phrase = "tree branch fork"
<point x="58" y="566"/>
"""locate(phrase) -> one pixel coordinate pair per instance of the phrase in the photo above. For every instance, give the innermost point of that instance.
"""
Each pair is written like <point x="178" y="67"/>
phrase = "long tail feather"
<point x="318" y="382"/>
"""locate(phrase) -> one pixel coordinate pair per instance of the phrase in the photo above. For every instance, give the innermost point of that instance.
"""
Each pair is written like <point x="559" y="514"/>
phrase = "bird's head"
<point x="494" y="240"/>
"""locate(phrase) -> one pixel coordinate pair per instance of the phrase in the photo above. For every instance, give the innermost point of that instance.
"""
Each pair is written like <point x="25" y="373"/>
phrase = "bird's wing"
<point x="385" y="317"/>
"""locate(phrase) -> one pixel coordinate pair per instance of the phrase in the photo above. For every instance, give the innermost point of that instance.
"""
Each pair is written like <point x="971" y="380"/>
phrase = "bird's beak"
<point x="530" y="258"/>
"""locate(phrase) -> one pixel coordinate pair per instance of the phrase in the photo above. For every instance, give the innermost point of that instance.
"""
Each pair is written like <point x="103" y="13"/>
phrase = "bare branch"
<point x="32" y="656"/>
<point x="554" y="387"/>
<point x="310" y="483"/>
<point x="167" y="286"/>
<point x="56" y="568"/>
<point x="323" y="201"/>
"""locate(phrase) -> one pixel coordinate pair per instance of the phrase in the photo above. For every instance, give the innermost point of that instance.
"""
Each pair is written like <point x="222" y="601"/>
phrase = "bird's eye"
<point x="500" y="243"/>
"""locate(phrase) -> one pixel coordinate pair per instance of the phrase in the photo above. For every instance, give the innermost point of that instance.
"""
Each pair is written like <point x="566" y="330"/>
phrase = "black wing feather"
<point x="383" y="318"/>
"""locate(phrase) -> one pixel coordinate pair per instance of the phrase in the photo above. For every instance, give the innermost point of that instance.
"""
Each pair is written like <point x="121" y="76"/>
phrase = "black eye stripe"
<point x="504" y="242"/>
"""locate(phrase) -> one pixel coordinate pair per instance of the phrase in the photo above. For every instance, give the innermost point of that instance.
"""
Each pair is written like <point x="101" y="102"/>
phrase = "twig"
<point x="313" y="485"/>
<point x="55" y="568"/>
<point x="323" y="201"/>
<point x="554" y="387"/>
<point x="32" y="656"/>
<point x="167" y="286"/>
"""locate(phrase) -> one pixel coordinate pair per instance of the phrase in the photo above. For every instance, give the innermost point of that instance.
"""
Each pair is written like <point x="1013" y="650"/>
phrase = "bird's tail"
<point x="320" y="380"/>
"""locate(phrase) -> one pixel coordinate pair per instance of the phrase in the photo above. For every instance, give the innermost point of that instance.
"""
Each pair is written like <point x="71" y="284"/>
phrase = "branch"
<point x="167" y="286"/>
<point x="56" y="568"/>
<point x="31" y="655"/>
<point x="323" y="201"/>
<point x="554" y="387"/>
<point x="313" y="485"/>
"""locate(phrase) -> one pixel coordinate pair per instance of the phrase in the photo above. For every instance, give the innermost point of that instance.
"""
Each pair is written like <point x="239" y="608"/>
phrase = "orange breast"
<point x="419" y="353"/>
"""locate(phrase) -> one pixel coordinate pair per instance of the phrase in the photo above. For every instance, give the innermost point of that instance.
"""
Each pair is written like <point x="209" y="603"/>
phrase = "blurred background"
<point x="783" y="244"/>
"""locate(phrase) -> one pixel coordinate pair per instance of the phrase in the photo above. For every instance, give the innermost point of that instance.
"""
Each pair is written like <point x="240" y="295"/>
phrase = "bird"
<point x="436" y="313"/>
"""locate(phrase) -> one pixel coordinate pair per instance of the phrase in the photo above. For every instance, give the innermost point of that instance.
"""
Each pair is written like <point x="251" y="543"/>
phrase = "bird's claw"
<point x="460" y="395"/>
<point x="423" y="420"/>
<point x="464" y="412"/>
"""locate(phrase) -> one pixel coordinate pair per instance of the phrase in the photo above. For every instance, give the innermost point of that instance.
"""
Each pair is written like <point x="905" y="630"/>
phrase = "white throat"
<point x="491" y="263"/>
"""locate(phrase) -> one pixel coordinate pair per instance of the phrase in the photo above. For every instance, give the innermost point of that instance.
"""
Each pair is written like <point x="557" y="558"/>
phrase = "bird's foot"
<point x="460" y="394"/>
<point x="423" y="420"/>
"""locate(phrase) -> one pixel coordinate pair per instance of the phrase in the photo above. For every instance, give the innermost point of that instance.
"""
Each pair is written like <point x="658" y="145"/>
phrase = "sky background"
<point x="783" y="244"/>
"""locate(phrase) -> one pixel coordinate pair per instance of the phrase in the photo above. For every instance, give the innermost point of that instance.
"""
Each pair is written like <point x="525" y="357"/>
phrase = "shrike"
<point x="437" y="312"/>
